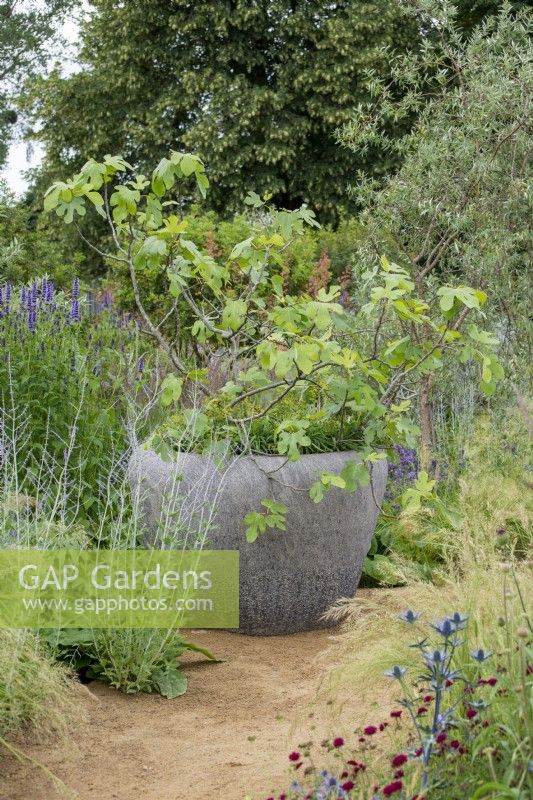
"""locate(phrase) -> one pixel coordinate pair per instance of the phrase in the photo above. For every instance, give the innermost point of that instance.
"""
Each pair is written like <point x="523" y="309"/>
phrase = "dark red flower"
<point x="398" y="773"/>
<point x="392" y="788"/>
<point x="396" y="714"/>
<point x="398" y="760"/>
<point x="455" y="743"/>
<point x="448" y="683"/>
<point x="348" y="786"/>
<point x="422" y="710"/>
<point x="419" y="752"/>
<point x="492" y="681"/>
<point x="344" y="774"/>
<point x="441" y="737"/>
<point x="352" y="762"/>
<point x="471" y="713"/>
<point x="428" y="698"/>
<point x="383" y="725"/>
<point x="295" y="756"/>
<point x="338" y="741"/>
<point x="370" y="730"/>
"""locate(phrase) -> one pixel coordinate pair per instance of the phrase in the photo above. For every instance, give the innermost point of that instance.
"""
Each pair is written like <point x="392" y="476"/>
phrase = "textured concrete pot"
<point x="288" y="579"/>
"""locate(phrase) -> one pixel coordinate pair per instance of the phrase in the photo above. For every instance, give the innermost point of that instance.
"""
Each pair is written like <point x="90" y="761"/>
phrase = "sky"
<point x="21" y="156"/>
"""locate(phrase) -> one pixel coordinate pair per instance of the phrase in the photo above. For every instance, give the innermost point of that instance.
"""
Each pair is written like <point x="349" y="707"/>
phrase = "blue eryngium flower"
<point x="444" y="626"/>
<point x="409" y="616"/>
<point x="396" y="672"/>
<point x="480" y="655"/>
<point x="436" y="657"/>
<point x="459" y="620"/>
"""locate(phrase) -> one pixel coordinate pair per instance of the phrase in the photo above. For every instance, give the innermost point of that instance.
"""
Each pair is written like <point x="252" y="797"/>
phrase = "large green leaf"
<point x="170" y="681"/>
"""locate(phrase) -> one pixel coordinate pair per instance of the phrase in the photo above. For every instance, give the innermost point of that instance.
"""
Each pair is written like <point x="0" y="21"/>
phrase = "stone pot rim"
<point x="143" y="448"/>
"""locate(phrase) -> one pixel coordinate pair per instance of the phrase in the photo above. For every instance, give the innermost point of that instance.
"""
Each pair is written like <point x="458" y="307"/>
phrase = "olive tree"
<point x="458" y="209"/>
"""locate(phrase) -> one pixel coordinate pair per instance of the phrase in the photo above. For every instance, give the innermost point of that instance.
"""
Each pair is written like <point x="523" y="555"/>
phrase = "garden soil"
<point x="228" y="738"/>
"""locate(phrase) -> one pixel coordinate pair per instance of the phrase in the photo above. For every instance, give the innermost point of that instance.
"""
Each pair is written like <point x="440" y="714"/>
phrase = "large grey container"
<point x="288" y="579"/>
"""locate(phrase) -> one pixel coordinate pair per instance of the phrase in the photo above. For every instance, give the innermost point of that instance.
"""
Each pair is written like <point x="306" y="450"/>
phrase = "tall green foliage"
<point x="258" y="89"/>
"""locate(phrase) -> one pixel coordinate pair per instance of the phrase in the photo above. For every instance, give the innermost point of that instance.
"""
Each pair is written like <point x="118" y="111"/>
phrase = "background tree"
<point x="460" y="204"/>
<point x="474" y="12"/>
<point x="257" y="89"/>
<point x="27" y="30"/>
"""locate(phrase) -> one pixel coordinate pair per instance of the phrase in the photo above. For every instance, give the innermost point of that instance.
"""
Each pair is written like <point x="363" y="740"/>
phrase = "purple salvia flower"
<point x="74" y="311"/>
<point x="32" y="319"/>
<point x="47" y="291"/>
<point x="75" y="289"/>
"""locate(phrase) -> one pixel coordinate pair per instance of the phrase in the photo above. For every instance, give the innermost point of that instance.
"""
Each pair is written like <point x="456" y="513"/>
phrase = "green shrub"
<point x="218" y="237"/>
<point x="29" y="248"/>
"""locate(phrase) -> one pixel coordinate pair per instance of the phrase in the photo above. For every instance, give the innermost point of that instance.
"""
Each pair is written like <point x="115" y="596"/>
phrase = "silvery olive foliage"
<point x="460" y="204"/>
<point x="268" y="345"/>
